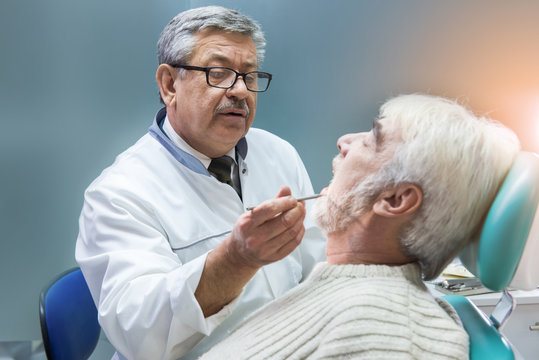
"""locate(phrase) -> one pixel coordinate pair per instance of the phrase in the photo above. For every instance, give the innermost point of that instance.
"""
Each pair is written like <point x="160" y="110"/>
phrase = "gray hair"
<point x="177" y="41"/>
<point x="458" y="160"/>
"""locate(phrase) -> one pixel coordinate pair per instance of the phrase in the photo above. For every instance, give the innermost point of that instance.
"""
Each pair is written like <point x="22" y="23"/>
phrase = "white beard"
<point x="332" y="216"/>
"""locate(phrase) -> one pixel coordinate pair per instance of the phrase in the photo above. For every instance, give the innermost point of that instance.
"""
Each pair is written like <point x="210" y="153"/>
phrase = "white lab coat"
<point x="147" y="224"/>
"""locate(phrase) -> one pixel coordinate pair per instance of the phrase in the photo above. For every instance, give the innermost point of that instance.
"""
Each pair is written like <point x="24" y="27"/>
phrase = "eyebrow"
<point x="377" y="131"/>
<point x="227" y="62"/>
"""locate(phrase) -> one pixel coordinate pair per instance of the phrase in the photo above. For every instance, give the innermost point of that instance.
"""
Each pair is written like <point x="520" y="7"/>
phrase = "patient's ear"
<point x="403" y="199"/>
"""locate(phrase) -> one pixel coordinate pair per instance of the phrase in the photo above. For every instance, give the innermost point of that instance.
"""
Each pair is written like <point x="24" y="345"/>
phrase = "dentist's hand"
<point x="266" y="234"/>
<point x="269" y="232"/>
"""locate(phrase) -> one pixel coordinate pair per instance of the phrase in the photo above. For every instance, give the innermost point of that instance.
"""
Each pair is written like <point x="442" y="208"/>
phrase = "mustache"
<point x="336" y="162"/>
<point x="231" y="105"/>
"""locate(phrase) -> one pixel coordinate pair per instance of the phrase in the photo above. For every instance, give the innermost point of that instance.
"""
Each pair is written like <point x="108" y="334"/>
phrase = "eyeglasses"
<point x="225" y="78"/>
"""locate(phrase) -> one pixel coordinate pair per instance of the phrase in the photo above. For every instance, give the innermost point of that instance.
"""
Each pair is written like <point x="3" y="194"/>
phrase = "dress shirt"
<point x="183" y="145"/>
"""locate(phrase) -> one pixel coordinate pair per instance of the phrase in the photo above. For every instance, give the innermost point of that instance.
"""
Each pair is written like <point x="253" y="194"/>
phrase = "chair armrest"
<point x="486" y="343"/>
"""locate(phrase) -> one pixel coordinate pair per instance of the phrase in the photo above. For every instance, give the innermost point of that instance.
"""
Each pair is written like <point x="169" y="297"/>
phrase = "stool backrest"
<point x="68" y="317"/>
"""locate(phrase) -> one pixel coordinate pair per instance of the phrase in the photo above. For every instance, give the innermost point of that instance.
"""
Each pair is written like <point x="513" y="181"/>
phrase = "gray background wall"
<point x="77" y="87"/>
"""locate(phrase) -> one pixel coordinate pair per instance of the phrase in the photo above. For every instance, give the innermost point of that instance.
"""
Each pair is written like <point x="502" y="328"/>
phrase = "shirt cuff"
<point x="216" y="319"/>
<point x="186" y="307"/>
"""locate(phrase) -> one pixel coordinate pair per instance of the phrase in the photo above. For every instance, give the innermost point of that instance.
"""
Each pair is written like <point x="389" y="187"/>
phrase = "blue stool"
<point x="68" y="317"/>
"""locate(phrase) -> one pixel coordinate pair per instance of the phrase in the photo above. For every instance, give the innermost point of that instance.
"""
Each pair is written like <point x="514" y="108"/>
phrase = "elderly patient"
<point x="405" y="198"/>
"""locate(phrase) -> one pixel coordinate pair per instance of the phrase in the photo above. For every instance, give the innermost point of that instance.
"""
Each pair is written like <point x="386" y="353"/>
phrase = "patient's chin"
<point x="319" y="213"/>
<point x="337" y="215"/>
<point x="329" y="215"/>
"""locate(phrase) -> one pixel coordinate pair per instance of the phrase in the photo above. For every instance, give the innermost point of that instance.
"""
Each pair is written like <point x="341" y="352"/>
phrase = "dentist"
<point x="172" y="258"/>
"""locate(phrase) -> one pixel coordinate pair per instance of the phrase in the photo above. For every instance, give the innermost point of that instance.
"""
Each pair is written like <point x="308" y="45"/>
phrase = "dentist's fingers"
<point x="268" y="233"/>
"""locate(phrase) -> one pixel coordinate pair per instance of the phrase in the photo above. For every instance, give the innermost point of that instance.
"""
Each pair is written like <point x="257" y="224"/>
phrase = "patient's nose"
<point x="343" y="144"/>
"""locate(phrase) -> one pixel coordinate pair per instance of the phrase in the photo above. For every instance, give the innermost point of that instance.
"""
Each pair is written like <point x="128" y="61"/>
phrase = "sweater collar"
<point x="324" y="271"/>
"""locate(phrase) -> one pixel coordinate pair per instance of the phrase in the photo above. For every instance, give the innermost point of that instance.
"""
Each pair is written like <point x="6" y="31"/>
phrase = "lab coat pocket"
<point x="189" y="250"/>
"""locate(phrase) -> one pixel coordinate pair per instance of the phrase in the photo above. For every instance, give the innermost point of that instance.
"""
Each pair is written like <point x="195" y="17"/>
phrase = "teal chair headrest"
<point x="510" y="235"/>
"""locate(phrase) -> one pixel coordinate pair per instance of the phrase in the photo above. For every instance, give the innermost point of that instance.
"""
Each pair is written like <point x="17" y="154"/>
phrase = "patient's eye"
<point x="376" y="130"/>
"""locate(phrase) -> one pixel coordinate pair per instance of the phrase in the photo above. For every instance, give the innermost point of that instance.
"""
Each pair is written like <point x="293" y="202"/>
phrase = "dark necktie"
<point x="221" y="168"/>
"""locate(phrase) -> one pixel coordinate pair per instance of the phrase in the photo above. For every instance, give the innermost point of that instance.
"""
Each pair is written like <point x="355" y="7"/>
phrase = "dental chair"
<point x="506" y="256"/>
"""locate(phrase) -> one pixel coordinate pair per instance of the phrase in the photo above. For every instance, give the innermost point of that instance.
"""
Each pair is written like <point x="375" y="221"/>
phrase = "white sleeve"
<point x="145" y="295"/>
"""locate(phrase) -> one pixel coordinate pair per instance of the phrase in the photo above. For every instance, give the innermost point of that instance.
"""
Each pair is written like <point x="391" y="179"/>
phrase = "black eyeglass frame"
<point x="238" y="74"/>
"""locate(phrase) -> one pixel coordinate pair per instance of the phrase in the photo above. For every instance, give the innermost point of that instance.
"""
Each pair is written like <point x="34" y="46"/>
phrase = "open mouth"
<point x="235" y="113"/>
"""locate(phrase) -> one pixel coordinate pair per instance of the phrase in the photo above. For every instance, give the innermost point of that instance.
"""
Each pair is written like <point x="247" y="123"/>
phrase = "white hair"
<point x="177" y="41"/>
<point x="458" y="160"/>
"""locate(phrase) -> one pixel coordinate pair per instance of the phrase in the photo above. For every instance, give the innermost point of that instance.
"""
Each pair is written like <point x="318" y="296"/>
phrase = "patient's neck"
<point x="360" y="243"/>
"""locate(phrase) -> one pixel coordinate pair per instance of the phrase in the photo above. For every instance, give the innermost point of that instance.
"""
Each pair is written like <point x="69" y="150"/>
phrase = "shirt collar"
<point x="182" y="144"/>
<point x="163" y="132"/>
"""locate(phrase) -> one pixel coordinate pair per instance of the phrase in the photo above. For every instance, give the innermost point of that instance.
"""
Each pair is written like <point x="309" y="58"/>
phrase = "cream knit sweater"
<point x="351" y="312"/>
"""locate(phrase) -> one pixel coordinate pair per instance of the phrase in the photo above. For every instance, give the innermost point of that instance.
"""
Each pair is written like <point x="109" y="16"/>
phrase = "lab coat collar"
<point x="183" y="157"/>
